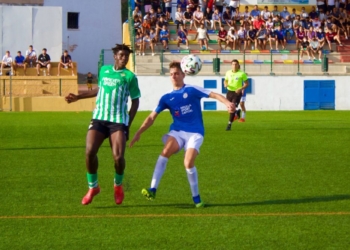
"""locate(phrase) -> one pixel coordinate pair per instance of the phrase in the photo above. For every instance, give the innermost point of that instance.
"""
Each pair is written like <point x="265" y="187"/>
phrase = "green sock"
<point x="92" y="180"/>
<point x="118" y="179"/>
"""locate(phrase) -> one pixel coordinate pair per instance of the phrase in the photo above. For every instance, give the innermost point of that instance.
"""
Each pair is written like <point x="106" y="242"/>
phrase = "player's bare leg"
<point x="243" y="112"/>
<point x="117" y="141"/>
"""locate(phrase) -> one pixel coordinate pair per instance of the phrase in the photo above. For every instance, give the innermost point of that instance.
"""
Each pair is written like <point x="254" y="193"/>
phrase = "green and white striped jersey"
<point x="115" y="87"/>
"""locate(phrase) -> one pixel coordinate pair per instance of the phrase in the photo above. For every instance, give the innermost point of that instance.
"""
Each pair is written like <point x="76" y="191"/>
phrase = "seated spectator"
<point x="147" y="5"/>
<point x="31" y="56"/>
<point x="284" y="13"/>
<point x="251" y="38"/>
<point x="277" y="22"/>
<point x="300" y="34"/>
<point x="138" y="3"/>
<point x="160" y="24"/>
<point x="7" y="62"/>
<point x="216" y="18"/>
<point x="280" y="39"/>
<point x="182" y="4"/>
<point x="258" y="22"/>
<point x="303" y="16"/>
<point x="139" y="42"/>
<point x="304" y="48"/>
<point x="316" y="23"/>
<point x="320" y="37"/>
<point x="203" y="37"/>
<point x="321" y="16"/>
<point x="297" y="24"/>
<point x="272" y="38"/>
<point x="293" y="15"/>
<point x="208" y="14"/>
<point x="20" y="62"/>
<point x="155" y="4"/>
<point x="265" y="14"/>
<point x="160" y="13"/>
<point x="338" y="29"/>
<point x="342" y="4"/>
<point x="331" y="37"/>
<point x="153" y="17"/>
<point x="237" y="18"/>
<point x="313" y="14"/>
<point x="234" y="4"/>
<point x="311" y="34"/>
<point x="89" y="79"/>
<point x="262" y="37"/>
<point x="146" y="25"/>
<point x="44" y="61"/>
<point x="193" y="4"/>
<point x="315" y="48"/>
<point x="269" y="24"/>
<point x="308" y="24"/>
<point x="147" y="42"/>
<point x="242" y="38"/>
<point x="164" y="37"/>
<point x="222" y="36"/>
<point x="255" y="12"/>
<point x="275" y="12"/>
<point x="246" y="13"/>
<point x="137" y="22"/>
<point x="226" y="17"/>
<point x="66" y="62"/>
<point x="179" y="17"/>
<point x="231" y="39"/>
<point x="198" y="17"/>
<point x="137" y="12"/>
<point x="182" y="37"/>
<point x="188" y="17"/>
<point x="288" y="28"/>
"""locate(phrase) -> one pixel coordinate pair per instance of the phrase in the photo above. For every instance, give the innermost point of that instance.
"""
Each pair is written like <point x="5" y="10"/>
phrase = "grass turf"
<point x="280" y="180"/>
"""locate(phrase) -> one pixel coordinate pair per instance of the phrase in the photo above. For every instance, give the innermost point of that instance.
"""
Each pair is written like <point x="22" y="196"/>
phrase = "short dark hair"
<point x="176" y="65"/>
<point x="66" y="51"/>
<point x="235" y="60"/>
<point x="119" y="47"/>
<point x="19" y="52"/>
<point x="45" y="49"/>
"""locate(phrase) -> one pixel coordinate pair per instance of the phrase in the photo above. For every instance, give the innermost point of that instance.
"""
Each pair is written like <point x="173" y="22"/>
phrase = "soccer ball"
<point x="191" y="65"/>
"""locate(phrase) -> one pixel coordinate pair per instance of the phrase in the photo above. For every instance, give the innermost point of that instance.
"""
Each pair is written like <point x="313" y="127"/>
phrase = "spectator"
<point x="220" y="5"/>
<point x="331" y="37"/>
<point x="89" y="79"/>
<point x="198" y="17"/>
<point x="251" y="38"/>
<point x="179" y="17"/>
<point x="222" y="36"/>
<point x="258" y="22"/>
<point x="182" y="37"/>
<point x="300" y="35"/>
<point x="216" y="18"/>
<point x="311" y="34"/>
<point x="167" y="6"/>
<point x="321" y="16"/>
<point x="188" y="17"/>
<point x="210" y="4"/>
<point x="182" y="4"/>
<point x="203" y="37"/>
<point x="160" y="13"/>
<point x="255" y="12"/>
<point x="269" y="24"/>
<point x="315" y="48"/>
<point x="262" y="37"/>
<point x="20" y="62"/>
<point x="313" y="14"/>
<point x="330" y="5"/>
<point x="303" y="16"/>
<point x="321" y="5"/>
<point x="31" y="56"/>
<point x="342" y="4"/>
<point x="231" y="38"/>
<point x="154" y="38"/>
<point x="320" y="37"/>
<point x="160" y="24"/>
<point x="226" y="17"/>
<point x="139" y="42"/>
<point x="242" y="38"/>
<point x="148" y="6"/>
<point x="277" y="22"/>
<point x="337" y="30"/>
<point x="137" y="4"/>
<point x="208" y="18"/>
<point x="137" y="22"/>
<point x="280" y="39"/>
<point x="146" y="25"/>
<point x="275" y="11"/>
<point x="297" y="24"/>
<point x="288" y="28"/>
<point x="246" y="13"/>
<point x="265" y="14"/>
<point x="308" y="24"/>
<point x="272" y="38"/>
<point x="237" y="18"/>
<point x="155" y="4"/>
<point x="284" y="13"/>
<point x="147" y="41"/>
<point x="7" y="62"/>
<point x="293" y="15"/>
<point x="304" y="48"/>
<point x="44" y="61"/>
<point x="203" y="4"/>
<point x="66" y="62"/>
<point x="234" y="4"/>
<point x="316" y="23"/>
<point x="164" y="37"/>
<point x="153" y="17"/>
<point x="137" y="12"/>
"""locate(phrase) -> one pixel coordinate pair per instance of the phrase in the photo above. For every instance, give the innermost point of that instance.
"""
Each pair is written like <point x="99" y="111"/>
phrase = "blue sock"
<point x="197" y="199"/>
<point x="153" y="190"/>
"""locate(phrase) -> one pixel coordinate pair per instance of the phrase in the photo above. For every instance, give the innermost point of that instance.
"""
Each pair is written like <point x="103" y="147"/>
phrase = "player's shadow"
<point x="177" y="205"/>
<point x="331" y="198"/>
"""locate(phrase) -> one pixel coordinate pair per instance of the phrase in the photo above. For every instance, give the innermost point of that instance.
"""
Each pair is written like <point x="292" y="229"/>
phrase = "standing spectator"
<point x="255" y="12"/>
<point x="220" y="5"/>
<point x="251" y="38"/>
<point x="147" y="5"/>
<point x="7" y="62"/>
<point x="275" y="12"/>
<point x="198" y="17"/>
<point x="203" y="4"/>
<point x="155" y="4"/>
<point x="304" y="48"/>
<point x="315" y="49"/>
<point x="44" y="61"/>
<point x="222" y="36"/>
<point x="179" y="17"/>
<point x="89" y="79"/>
<point x="20" y="62"/>
<point x="231" y="38"/>
<point x="288" y="28"/>
<point x="330" y="5"/>
<point x="31" y="56"/>
<point x="216" y="18"/>
<point x="208" y="18"/>
<point x="164" y="37"/>
<point x="284" y="13"/>
<point x="203" y="37"/>
<point x="321" y="5"/>
<point x="182" y="4"/>
<point x="168" y="7"/>
<point x="210" y="4"/>
<point x="182" y="37"/>
<point x="188" y="17"/>
<point x="242" y="38"/>
<point x="66" y="62"/>
<point x="234" y="4"/>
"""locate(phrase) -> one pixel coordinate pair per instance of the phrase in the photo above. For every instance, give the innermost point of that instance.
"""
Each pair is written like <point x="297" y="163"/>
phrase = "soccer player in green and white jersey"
<point x="110" y="119"/>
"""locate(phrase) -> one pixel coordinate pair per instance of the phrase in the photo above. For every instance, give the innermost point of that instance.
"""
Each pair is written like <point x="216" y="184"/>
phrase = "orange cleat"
<point x="241" y="120"/>
<point x="90" y="195"/>
<point x="118" y="194"/>
<point x="236" y="117"/>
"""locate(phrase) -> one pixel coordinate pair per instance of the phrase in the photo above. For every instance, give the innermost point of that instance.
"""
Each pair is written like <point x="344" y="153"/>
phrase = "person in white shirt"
<point x="265" y="14"/>
<point x="7" y="62"/>
<point x="231" y="38"/>
<point x="137" y="12"/>
<point x="216" y="18"/>
<point x="203" y="37"/>
<point x="31" y="56"/>
<point x="179" y="17"/>
<point x="330" y="5"/>
<point x="234" y="4"/>
<point x="241" y="38"/>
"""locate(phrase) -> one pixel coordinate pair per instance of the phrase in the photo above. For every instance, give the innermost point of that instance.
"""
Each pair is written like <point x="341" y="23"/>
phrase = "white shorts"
<point x="243" y="98"/>
<point x="185" y="140"/>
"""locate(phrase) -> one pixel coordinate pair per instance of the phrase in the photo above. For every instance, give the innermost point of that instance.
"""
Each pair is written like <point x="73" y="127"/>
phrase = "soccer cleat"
<point x="90" y="195"/>
<point x="118" y="194"/>
<point x="200" y="204"/>
<point x="150" y="195"/>
<point x="236" y="117"/>
<point x="241" y="120"/>
<point x="228" y="127"/>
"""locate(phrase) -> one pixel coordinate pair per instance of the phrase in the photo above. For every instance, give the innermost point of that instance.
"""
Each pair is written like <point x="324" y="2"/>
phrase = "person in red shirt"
<point x="258" y="22"/>
<point x="222" y="36"/>
<point x="331" y="37"/>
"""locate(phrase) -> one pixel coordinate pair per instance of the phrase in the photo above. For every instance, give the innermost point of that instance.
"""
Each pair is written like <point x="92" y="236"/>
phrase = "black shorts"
<point x="42" y="66"/>
<point x="233" y="97"/>
<point x="107" y="128"/>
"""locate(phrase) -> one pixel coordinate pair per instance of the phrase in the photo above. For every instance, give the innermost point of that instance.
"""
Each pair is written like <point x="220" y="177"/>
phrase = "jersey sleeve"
<point x="48" y="57"/>
<point x="226" y="76"/>
<point x="244" y="77"/>
<point x="200" y="92"/>
<point x="134" y="88"/>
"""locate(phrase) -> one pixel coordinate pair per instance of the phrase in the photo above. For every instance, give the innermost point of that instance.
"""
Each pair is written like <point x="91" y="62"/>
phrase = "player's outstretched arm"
<point x="145" y="125"/>
<point x="230" y="106"/>
<point x="73" y="98"/>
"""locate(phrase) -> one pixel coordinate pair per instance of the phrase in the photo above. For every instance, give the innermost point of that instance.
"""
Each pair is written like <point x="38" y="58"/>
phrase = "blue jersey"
<point x="185" y="107"/>
<point x="19" y="59"/>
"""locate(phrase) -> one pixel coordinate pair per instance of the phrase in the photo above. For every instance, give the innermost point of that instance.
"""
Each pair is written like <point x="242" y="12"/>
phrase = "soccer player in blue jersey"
<point x="186" y="131"/>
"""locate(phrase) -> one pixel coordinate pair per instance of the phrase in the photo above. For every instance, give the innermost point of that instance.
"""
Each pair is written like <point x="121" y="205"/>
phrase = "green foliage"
<point x="278" y="181"/>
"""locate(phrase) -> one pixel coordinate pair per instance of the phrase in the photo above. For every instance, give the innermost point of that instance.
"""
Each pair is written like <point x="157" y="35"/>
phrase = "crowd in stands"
<point x="31" y="59"/>
<point x="266" y="28"/>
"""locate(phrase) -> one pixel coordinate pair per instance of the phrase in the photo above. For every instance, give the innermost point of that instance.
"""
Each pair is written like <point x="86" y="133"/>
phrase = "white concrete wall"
<point x="268" y="93"/>
<point x="99" y="28"/>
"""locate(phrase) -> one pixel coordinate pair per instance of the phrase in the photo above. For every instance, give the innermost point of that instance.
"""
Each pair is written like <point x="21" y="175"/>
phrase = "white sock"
<point x="193" y="180"/>
<point x="159" y="171"/>
<point x="243" y="115"/>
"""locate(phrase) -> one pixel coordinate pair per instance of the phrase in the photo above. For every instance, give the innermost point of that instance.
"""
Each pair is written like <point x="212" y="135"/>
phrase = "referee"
<point x="235" y="81"/>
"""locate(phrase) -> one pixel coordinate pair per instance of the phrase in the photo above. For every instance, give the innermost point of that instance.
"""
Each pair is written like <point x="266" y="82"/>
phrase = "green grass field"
<point x="279" y="181"/>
